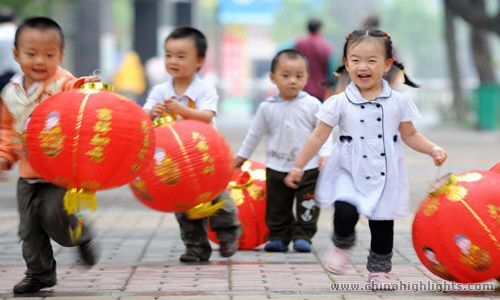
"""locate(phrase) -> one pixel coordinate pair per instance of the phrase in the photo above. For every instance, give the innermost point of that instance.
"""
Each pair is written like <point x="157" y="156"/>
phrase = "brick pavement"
<point x="140" y="248"/>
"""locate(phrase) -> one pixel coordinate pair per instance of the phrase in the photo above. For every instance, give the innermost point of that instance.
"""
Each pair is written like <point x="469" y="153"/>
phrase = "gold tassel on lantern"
<point x="164" y="120"/>
<point x="204" y="210"/>
<point x="76" y="199"/>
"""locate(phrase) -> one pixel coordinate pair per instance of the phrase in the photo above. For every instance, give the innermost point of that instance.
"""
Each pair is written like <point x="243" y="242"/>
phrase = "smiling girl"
<point x="365" y="174"/>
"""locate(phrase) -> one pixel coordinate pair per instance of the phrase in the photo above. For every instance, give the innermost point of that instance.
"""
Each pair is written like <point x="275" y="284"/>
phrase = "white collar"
<point x="353" y="94"/>
<point x="18" y="79"/>
<point x="190" y="92"/>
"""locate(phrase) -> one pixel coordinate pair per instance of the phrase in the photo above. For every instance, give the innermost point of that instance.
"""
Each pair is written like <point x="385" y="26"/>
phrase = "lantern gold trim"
<point x="101" y="86"/>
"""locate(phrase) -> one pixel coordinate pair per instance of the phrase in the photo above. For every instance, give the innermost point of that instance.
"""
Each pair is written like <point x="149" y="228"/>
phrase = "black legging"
<point x="382" y="231"/>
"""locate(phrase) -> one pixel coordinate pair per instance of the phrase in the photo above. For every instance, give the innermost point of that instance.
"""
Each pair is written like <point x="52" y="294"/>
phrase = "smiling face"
<point x="366" y="62"/>
<point x="39" y="53"/>
<point x="181" y="58"/>
<point x="290" y="76"/>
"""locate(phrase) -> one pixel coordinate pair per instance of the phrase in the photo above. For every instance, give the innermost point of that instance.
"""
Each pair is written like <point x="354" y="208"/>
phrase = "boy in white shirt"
<point x="286" y="119"/>
<point x="187" y="96"/>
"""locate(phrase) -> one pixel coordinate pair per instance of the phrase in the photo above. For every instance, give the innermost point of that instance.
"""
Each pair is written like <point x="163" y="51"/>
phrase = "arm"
<point x="255" y="133"/>
<point x="187" y="113"/>
<point x="317" y="138"/>
<point x="7" y="136"/>
<point x="420" y="143"/>
<point x="74" y="83"/>
<point x="326" y="148"/>
<point x="325" y="151"/>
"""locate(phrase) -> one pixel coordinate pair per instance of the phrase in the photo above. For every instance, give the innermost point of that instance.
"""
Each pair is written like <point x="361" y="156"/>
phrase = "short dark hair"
<point x="314" y="25"/>
<point x="198" y="37"/>
<point x="42" y="23"/>
<point x="289" y="53"/>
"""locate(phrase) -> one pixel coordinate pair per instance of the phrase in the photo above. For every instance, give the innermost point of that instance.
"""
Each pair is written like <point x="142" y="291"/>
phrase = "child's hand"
<point x="239" y="162"/>
<point x="157" y="110"/>
<point x="172" y="106"/>
<point x="293" y="178"/>
<point x="439" y="155"/>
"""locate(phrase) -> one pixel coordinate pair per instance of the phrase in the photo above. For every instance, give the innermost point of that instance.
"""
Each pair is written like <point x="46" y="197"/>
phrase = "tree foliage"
<point x="292" y="18"/>
<point x="28" y="8"/>
<point x="416" y="29"/>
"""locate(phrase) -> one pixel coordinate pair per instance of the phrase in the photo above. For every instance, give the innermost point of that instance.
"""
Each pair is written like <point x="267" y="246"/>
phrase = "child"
<point x="286" y="119"/>
<point x="38" y="49"/>
<point x="365" y="172"/>
<point x="187" y="96"/>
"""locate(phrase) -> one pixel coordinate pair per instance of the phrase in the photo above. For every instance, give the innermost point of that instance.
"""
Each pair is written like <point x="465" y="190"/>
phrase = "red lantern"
<point x="456" y="229"/>
<point x="192" y="164"/>
<point x="248" y="189"/>
<point x="87" y="140"/>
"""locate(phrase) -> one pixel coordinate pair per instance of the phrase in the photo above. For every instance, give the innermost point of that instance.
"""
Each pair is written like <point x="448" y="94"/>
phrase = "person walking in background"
<point x="286" y="119"/>
<point x="38" y="48"/>
<point x="185" y="95"/>
<point x="8" y="66"/>
<point x="365" y="174"/>
<point x="319" y="55"/>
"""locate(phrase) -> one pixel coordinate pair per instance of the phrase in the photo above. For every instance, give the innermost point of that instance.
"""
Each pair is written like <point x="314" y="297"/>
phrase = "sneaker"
<point x="301" y="245"/>
<point x="31" y="285"/>
<point x="381" y="281"/>
<point x="335" y="260"/>
<point x="276" y="246"/>
<point x="88" y="253"/>
<point x="190" y="256"/>
<point x="228" y="248"/>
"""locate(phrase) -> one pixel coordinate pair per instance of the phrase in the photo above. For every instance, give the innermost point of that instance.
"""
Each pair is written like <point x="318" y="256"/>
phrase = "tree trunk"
<point x="481" y="50"/>
<point x="482" y="56"/>
<point x="87" y="48"/>
<point x="458" y="98"/>
<point x="472" y="13"/>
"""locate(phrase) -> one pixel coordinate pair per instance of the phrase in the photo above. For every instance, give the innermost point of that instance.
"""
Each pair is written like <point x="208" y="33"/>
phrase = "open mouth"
<point x="364" y="76"/>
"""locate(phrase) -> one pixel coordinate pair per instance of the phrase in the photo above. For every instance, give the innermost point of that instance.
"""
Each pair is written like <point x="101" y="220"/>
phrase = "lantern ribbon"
<point x="204" y="210"/>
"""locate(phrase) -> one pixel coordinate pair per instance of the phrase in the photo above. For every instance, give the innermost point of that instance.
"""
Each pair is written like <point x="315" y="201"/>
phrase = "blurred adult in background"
<point x="318" y="53"/>
<point x="8" y="65"/>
